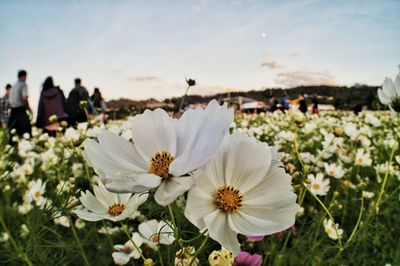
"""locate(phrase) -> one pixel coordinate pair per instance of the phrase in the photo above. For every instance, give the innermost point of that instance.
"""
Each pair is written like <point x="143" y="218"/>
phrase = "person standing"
<point x="5" y="107"/>
<point x="78" y="104"/>
<point x="302" y="103"/>
<point x="99" y="104"/>
<point x="19" y="104"/>
<point x="285" y="103"/>
<point x="51" y="109"/>
<point x="315" y="108"/>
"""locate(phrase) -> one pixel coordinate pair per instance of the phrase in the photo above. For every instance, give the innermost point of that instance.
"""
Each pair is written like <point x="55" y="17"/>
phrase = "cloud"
<point x="144" y="78"/>
<point x="294" y="55"/>
<point x="304" y="78"/>
<point x="271" y="64"/>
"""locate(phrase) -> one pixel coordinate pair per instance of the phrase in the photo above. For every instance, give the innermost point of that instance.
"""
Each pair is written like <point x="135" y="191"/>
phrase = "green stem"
<point x="133" y="242"/>
<point x="286" y="241"/>
<point x="172" y="217"/>
<point x="107" y="233"/>
<point x="298" y="155"/>
<point x="323" y="152"/>
<point x="198" y="251"/>
<point x="195" y="238"/>
<point x="19" y="250"/>
<point x="329" y="214"/>
<point x="357" y="224"/>
<point x="391" y="194"/>
<point x="385" y="179"/>
<point x="78" y="242"/>
<point x="183" y="99"/>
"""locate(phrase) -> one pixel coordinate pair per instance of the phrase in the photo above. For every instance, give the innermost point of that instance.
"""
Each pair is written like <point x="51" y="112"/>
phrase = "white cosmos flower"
<point x="243" y="190"/>
<point x="35" y="193"/>
<point x="71" y="134"/>
<point x="62" y="220"/>
<point x="363" y="158"/>
<point x="318" y="185"/>
<point x="127" y="251"/>
<point x="330" y="230"/>
<point x="107" y="205"/>
<point x="164" y="151"/>
<point x="334" y="170"/>
<point x="155" y="233"/>
<point x="389" y="94"/>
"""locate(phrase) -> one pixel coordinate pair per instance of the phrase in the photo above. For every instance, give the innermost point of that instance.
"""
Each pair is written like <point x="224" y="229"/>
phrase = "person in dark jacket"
<point x="98" y="104"/>
<point x="303" y="103"/>
<point x="51" y="110"/>
<point x="78" y="104"/>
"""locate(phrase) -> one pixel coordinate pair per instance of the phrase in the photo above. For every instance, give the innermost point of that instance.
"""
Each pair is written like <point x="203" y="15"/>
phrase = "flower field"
<point x="344" y="172"/>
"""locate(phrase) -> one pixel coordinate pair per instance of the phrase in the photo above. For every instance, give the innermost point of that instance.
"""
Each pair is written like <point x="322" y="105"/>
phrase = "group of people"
<point x="285" y="104"/>
<point x="53" y="108"/>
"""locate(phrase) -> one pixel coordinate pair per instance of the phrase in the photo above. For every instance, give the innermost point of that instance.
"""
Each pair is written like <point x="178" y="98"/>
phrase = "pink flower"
<point x="254" y="238"/>
<point x="245" y="259"/>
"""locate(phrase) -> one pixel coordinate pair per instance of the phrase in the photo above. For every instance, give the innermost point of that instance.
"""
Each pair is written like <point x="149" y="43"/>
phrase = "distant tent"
<point x="253" y="105"/>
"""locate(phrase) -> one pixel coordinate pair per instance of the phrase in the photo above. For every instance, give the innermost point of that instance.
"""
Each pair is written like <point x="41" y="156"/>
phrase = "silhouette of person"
<point x="19" y="104"/>
<point x="315" y="108"/>
<point x="51" y="109"/>
<point x="303" y="103"/>
<point x="78" y="104"/>
<point x="98" y="103"/>
<point x="5" y="107"/>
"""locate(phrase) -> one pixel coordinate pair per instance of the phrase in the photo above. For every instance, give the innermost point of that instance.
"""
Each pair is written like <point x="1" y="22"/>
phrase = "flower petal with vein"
<point x="389" y="94"/>
<point x="243" y="190"/>
<point x="107" y="205"/>
<point x="155" y="233"/>
<point x="163" y="153"/>
<point x="125" y="252"/>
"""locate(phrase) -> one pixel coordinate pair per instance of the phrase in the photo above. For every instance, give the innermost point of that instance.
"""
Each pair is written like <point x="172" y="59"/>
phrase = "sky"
<point x="142" y="49"/>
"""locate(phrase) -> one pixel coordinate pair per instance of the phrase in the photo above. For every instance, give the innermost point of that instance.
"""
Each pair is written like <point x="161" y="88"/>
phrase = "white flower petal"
<point x="104" y="163"/>
<point x="275" y="180"/>
<point x="154" y="131"/>
<point x="166" y="233"/>
<point x="200" y="133"/>
<point x="91" y="203"/>
<point x="199" y="203"/>
<point x="105" y="197"/>
<point x="219" y="230"/>
<point x="246" y="164"/>
<point x="172" y="188"/>
<point x="137" y="239"/>
<point x="89" y="216"/>
<point x="120" y="258"/>
<point x="252" y="226"/>
<point x="397" y="85"/>
<point x="389" y="88"/>
<point x="148" y="229"/>
<point x="135" y="183"/>
<point x="383" y="97"/>
<point x="122" y="148"/>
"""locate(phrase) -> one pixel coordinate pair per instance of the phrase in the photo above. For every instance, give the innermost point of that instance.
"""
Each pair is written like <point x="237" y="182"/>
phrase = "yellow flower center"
<point x="116" y="209"/>
<point x="36" y="194"/>
<point x="228" y="199"/>
<point x="316" y="186"/>
<point x="331" y="172"/>
<point x="159" y="164"/>
<point x="155" y="238"/>
<point x="127" y="249"/>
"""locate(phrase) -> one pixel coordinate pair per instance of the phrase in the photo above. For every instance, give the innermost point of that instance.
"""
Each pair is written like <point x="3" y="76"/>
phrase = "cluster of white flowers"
<point x="231" y="180"/>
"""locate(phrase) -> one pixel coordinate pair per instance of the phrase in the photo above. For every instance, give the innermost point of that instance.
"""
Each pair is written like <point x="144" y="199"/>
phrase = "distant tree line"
<point x="342" y="97"/>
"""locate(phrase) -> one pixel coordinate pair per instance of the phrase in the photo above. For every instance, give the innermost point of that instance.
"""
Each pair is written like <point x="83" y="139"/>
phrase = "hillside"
<point x="342" y="97"/>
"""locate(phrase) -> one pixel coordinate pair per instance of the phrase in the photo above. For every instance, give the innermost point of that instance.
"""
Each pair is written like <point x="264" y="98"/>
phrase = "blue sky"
<point x="141" y="49"/>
